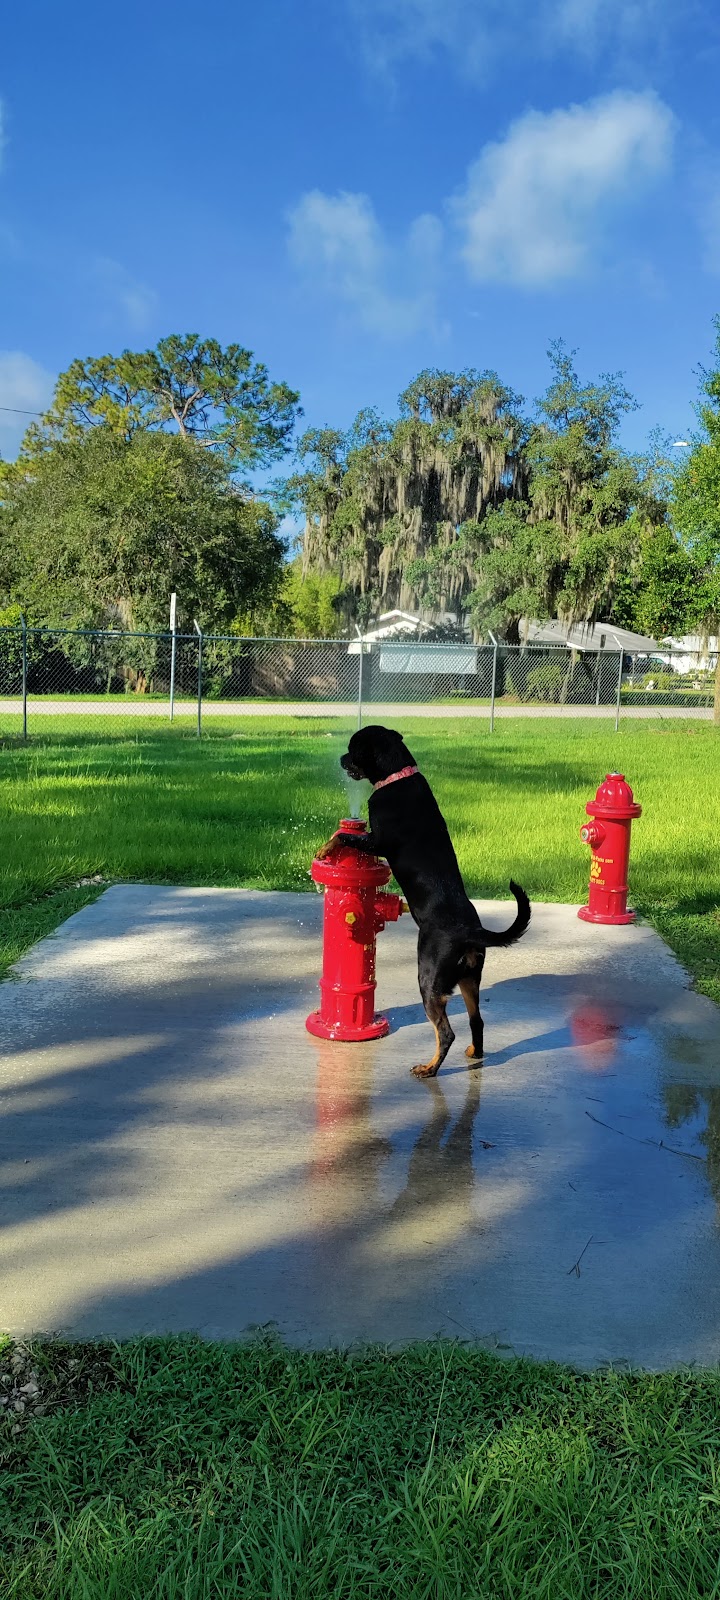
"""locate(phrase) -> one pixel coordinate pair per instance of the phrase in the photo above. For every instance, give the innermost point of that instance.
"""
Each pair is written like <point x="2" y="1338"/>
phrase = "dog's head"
<point x="375" y="753"/>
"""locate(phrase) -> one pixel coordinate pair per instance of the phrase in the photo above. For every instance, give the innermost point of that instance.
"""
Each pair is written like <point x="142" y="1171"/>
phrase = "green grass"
<point x="250" y="802"/>
<point x="177" y="1470"/>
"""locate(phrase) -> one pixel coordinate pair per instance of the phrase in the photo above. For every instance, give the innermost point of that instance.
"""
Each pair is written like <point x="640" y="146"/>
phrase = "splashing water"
<point x="354" y="798"/>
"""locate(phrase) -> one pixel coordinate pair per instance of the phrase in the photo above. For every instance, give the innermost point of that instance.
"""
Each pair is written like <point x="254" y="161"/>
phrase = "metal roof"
<point x="600" y="636"/>
<point x="391" y="625"/>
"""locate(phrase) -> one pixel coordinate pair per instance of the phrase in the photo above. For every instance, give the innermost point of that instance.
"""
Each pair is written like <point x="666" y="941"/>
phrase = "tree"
<point x="221" y="398"/>
<point x="659" y="596"/>
<point x="100" y="530"/>
<point x="695" y="507"/>
<point x="562" y="550"/>
<point x="312" y="602"/>
<point x="303" y="607"/>
<point x="464" y="503"/>
<point x="387" y="498"/>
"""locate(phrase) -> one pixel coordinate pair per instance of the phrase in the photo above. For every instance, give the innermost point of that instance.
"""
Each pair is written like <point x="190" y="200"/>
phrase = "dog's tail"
<point x="488" y="936"/>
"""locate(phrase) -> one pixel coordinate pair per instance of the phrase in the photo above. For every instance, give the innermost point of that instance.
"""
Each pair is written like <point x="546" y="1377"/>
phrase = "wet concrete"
<point x="178" y="1153"/>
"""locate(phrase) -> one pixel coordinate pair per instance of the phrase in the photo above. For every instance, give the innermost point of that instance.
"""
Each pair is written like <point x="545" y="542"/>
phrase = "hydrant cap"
<point x="614" y="797"/>
<point x="345" y="868"/>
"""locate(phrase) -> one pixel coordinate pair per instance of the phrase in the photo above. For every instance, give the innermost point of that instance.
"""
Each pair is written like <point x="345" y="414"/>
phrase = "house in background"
<point x="404" y="646"/>
<point x="404" y="625"/>
<point x="700" y="654"/>
<point x="391" y="625"/>
<point x="583" y="638"/>
<point x="689" y="654"/>
<point x="395" y="629"/>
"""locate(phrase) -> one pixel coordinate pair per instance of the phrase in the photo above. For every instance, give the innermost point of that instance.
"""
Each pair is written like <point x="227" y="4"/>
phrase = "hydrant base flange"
<point x="341" y="1033"/>
<point x="616" y="921"/>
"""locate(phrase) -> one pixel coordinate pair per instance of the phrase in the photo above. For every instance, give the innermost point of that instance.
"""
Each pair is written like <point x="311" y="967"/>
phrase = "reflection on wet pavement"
<point x="349" y="1154"/>
<point x="176" y="1152"/>
<point x="696" y="1112"/>
<point x="441" y="1160"/>
<point x="595" y="1032"/>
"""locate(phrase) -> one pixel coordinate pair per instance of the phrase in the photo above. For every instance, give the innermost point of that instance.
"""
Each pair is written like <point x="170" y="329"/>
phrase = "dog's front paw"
<point x="473" y="1054"/>
<point x="429" y="1071"/>
<point x="326" y="850"/>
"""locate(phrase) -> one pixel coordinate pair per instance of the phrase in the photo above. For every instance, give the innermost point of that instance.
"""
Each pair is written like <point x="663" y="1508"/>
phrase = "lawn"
<point x="249" y="803"/>
<point x="177" y="1470"/>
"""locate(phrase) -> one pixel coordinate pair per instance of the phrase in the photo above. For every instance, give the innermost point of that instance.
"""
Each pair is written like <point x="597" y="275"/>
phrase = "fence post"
<point x="619" y="686"/>
<point x="360" y="677"/>
<point x="173" y="627"/>
<point x="494" y="679"/>
<point x="599" y="669"/>
<point x="198" y="630"/>
<point x="23" y="626"/>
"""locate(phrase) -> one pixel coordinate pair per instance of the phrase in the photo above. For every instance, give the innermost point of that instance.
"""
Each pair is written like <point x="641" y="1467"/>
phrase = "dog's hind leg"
<point x="437" y="977"/>
<point x="470" y="990"/>
<point x="437" y="1015"/>
<point x="436" y="980"/>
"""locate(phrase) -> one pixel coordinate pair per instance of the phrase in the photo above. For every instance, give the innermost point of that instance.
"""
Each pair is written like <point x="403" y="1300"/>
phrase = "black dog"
<point x="409" y="830"/>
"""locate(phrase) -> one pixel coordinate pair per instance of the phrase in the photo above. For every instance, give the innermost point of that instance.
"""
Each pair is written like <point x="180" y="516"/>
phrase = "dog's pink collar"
<point x="407" y="772"/>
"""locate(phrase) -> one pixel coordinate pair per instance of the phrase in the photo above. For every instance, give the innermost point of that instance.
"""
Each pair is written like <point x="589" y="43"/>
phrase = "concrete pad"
<point x="178" y="1153"/>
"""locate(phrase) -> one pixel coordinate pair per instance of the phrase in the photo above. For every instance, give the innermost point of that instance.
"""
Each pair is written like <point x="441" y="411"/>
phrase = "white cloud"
<point x="589" y="25"/>
<point x="474" y="33"/>
<point x="337" y="242"/>
<point x="135" y="301"/>
<point x="536" y="210"/>
<point x="535" y="203"/>
<point x="394" y="30"/>
<point x="25" y="387"/>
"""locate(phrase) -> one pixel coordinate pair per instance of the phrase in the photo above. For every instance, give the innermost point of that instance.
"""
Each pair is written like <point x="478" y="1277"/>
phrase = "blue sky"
<point x="356" y="189"/>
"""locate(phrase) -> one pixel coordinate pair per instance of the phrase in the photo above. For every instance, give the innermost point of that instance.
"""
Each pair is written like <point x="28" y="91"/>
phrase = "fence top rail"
<point x="94" y="633"/>
<point x="707" y="654"/>
<point x="167" y="633"/>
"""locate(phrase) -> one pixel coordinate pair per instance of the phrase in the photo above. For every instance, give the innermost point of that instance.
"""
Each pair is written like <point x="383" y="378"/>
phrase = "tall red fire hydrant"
<point x="608" y="835"/>
<point x="356" y="910"/>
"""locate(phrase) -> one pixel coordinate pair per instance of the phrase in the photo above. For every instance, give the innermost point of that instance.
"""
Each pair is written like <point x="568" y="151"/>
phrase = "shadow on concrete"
<point x="355" y="1260"/>
<point x="169" y="1163"/>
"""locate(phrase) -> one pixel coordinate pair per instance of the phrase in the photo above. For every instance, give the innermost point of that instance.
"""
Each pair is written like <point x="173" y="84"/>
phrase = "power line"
<point x="18" y="410"/>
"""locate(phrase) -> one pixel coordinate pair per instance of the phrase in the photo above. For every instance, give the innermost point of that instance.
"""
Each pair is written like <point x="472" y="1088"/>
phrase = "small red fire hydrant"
<point x="356" y="910"/>
<point x="608" y="835"/>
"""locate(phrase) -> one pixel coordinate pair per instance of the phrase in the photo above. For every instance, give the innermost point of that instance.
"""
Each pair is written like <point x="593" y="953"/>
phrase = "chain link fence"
<point x="51" y="673"/>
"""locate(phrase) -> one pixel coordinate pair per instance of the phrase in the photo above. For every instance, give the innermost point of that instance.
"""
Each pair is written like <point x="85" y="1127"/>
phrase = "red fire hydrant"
<point x="356" y="910"/>
<point x="608" y="835"/>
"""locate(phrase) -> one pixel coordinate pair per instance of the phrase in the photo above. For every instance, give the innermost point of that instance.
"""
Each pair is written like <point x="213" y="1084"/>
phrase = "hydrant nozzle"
<point x="591" y="833"/>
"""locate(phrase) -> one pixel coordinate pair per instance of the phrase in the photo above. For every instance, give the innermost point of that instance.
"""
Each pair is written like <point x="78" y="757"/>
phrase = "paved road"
<point x="177" y="1152"/>
<point x="329" y="708"/>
